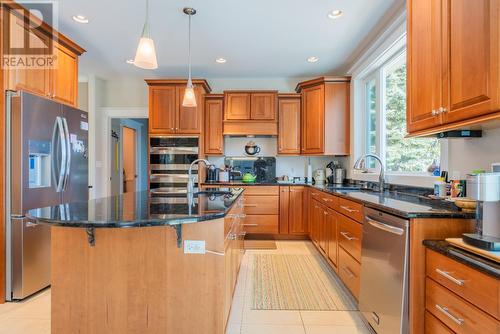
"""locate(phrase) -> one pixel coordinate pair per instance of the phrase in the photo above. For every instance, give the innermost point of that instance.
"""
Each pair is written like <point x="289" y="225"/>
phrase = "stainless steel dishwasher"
<point x="383" y="297"/>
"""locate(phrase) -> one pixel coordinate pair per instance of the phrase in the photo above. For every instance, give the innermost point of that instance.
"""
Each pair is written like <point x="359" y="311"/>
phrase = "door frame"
<point x="138" y="151"/>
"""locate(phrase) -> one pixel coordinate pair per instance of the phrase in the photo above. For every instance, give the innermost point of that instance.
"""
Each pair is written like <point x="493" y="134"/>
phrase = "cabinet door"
<point x="332" y="238"/>
<point x="296" y="222"/>
<point x="65" y="76"/>
<point x="237" y="106"/>
<point x="162" y="109"/>
<point x="424" y="64"/>
<point x="323" y="245"/>
<point x="285" y="210"/>
<point x="36" y="81"/>
<point x="189" y="119"/>
<point x="214" y="140"/>
<point x="315" y="213"/>
<point x="313" y="120"/>
<point x="471" y="36"/>
<point x="289" y="126"/>
<point x="263" y="106"/>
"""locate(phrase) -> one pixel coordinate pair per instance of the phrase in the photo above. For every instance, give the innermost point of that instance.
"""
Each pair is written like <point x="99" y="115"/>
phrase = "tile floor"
<point x="244" y="320"/>
<point x="33" y="315"/>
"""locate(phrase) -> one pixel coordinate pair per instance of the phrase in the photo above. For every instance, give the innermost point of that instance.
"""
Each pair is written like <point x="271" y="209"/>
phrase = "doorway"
<point x="129" y="155"/>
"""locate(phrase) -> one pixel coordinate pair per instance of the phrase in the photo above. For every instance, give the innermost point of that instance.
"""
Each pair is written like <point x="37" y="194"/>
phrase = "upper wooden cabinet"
<point x="289" y="124"/>
<point x="250" y="105"/>
<point x="325" y="116"/>
<point x="214" y="113"/>
<point x="453" y="56"/>
<point x="57" y="77"/>
<point x="166" y="113"/>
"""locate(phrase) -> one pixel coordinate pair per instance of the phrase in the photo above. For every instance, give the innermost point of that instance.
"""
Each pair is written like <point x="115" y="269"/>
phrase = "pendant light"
<point x="189" y="99"/>
<point x="145" y="56"/>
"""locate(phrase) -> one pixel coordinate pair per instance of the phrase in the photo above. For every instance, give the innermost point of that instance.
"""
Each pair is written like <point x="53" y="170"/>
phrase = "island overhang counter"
<point x="140" y="264"/>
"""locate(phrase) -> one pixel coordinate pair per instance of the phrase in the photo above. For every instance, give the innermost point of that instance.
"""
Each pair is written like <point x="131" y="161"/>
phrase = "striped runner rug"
<point x="297" y="282"/>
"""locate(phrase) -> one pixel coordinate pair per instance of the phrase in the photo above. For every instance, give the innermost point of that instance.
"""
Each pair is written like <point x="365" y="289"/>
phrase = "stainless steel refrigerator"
<point x="46" y="165"/>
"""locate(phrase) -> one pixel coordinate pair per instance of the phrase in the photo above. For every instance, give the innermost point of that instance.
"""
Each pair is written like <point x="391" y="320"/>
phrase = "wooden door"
<point x="263" y="106"/>
<point x="36" y="81"/>
<point x="129" y="159"/>
<point x="289" y="126"/>
<point x="296" y="217"/>
<point x="285" y="210"/>
<point x="189" y="119"/>
<point x="237" y="106"/>
<point x="313" y="120"/>
<point x="65" y="76"/>
<point x="424" y="64"/>
<point x="471" y="37"/>
<point x="331" y="236"/>
<point x="162" y="109"/>
<point x="214" y="140"/>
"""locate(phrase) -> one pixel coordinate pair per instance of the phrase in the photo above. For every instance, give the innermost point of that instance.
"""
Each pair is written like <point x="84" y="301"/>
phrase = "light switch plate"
<point x="194" y="246"/>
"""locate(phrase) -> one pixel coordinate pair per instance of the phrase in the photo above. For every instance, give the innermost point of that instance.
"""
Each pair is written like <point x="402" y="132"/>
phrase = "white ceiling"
<point x="259" y="38"/>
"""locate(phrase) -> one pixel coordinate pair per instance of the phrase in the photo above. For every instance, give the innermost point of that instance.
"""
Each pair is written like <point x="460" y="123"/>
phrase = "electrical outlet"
<point x="194" y="246"/>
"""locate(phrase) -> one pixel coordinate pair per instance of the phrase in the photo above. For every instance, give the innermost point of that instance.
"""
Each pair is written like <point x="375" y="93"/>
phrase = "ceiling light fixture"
<point x="189" y="99"/>
<point x="312" y="59"/>
<point x="335" y="14"/>
<point x="145" y="56"/>
<point x="221" y="60"/>
<point x="80" y="18"/>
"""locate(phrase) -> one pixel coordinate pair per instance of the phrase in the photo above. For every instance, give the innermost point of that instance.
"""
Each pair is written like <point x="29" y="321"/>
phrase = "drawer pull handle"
<point x="447" y="275"/>
<point x="348" y="272"/>
<point x="250" y="224"/>
<point x="348" y="209"/>
<point x="232" y="237"/>
<point x="327" y="199"/>
<point x="447" y="313"/>
<point x="346" y="235"/>
<point x="250" y="205"/>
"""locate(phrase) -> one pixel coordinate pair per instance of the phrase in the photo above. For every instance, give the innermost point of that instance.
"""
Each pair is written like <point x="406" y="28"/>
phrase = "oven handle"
<point x="385" y="227"/>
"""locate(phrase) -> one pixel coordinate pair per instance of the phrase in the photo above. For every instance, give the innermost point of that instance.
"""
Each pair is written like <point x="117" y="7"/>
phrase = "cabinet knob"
<point x="435" y="112"/>
<point x="442" y="110"/>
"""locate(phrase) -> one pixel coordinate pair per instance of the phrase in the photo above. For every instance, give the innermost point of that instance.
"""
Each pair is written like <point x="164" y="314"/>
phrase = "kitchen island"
<point x="128" y="264"/>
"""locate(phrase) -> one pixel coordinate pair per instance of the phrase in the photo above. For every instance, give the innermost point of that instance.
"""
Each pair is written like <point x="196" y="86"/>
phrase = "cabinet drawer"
<point x="262" y="205"/>
<point x="456" y="313"/>
<point x="261" y="224"/>
<point x="262" y="190"/>
<point x="434" y="326"/>
<point x="349" y="271"/>
<point x="329" y="200"/>
<point x="350" y="234"/>
<point x="472" y="285"/>
<point x="350" y="209"/>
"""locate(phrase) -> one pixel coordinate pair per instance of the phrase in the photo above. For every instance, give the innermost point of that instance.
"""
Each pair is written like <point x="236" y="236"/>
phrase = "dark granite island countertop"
<point x="139" y="209"/>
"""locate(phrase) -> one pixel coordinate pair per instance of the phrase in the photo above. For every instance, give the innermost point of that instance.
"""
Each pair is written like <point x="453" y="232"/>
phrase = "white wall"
<point x="285" y="165"/>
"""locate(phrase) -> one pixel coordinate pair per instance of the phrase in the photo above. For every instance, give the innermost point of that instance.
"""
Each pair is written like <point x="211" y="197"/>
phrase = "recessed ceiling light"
<point x="335" y="14"/>
<point x="80" y="18"/>
<point x="312" y="59"/>
<point x="221" y="60"/>
<point x="130" y="61"/>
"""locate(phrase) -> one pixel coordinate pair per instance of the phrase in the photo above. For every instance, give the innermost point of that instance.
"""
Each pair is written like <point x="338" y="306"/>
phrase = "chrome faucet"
<point x="190" y="185"/>
<point x="360" y="165"/>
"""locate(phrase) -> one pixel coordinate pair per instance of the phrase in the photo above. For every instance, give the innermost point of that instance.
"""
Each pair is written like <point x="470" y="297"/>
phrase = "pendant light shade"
<point x="145" y="56"/>
<point x="189" y="99"/>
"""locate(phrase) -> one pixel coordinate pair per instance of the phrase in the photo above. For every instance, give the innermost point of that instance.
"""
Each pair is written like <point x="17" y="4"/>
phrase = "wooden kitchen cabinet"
<point x="250" y="105"/>
<point x="214" y="113"/>
<point x="289" y="124"/>
<point x="293" y="210"/>
<point x="263" y="106"/>
<point x="237" y="106"/>
<point x="332" y="236"/>
<point x="166" y="113"/>
<point x="453" y="56"/>
<point x="325" y="124"/>
<point x="57" y="81"/>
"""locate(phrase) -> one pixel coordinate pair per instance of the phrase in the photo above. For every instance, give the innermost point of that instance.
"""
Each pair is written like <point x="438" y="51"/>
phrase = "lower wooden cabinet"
<point x="332" y="236"/>
<point x="349" y="271"/>
<point x="293" y="210"/>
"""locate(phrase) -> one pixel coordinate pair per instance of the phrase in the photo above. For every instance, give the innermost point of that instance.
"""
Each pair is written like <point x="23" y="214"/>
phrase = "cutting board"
<point x="458" y="242"/>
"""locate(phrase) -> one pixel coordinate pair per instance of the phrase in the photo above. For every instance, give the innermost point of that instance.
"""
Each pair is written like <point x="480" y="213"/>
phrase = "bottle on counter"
<point x="440" y="187"/>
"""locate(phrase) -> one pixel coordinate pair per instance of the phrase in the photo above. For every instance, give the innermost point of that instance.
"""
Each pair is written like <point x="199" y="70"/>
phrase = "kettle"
<point x="251" y="148"/>
<point x="249" y="178"/>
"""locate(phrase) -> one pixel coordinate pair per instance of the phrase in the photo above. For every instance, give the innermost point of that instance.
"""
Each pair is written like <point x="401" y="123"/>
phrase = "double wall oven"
<point x="169" y="162"/>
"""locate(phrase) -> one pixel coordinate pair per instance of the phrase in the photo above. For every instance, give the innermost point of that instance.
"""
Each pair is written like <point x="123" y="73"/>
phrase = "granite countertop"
<point x="474" y="261"/>
<point x="138" y="209"/>
<point x="398" y="203"/>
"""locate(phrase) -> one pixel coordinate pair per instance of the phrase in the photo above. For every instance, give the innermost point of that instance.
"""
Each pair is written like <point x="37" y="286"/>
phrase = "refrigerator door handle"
<point x="58" y="132"/>
<point x="68" y="154"/>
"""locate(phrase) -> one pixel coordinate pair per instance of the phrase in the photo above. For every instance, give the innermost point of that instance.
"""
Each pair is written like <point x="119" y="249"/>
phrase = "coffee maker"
<point x="485" y="189"/>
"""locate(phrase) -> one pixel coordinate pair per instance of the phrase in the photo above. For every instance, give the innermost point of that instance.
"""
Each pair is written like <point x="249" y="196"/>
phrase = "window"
<point x="385" y="119"/>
